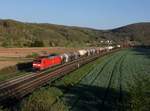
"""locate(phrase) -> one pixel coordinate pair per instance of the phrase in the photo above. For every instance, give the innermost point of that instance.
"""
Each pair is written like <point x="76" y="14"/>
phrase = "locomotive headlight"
<point x="38" y="65"/>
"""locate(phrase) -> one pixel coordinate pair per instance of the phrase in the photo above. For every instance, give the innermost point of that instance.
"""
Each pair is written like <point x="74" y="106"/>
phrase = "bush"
<point x="33" y="55"/>
<point x="2" y="109"/>
<point x="43" y="100"/>
<point x="37" y="43"/>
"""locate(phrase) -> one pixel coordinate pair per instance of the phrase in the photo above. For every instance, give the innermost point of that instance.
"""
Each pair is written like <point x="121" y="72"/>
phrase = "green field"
<point x="116" y="82"/>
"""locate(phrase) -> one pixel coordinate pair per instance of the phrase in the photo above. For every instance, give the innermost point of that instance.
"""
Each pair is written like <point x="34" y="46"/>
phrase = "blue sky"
<point x="100" y="14"/>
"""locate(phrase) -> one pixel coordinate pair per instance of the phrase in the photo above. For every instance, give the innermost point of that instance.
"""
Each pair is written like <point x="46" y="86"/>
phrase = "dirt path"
<point x="22" y="52"/>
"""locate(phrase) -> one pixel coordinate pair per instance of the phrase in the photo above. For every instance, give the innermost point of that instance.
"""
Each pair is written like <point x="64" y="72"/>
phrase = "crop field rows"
<point x="100" y="78"/>
<point x="105" y="87"/>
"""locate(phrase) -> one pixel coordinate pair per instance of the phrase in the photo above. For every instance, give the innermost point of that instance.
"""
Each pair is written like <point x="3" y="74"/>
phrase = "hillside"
<point x="135" y="32"/>
<point x="13" y="33"/>
<point x="19" y="34"/>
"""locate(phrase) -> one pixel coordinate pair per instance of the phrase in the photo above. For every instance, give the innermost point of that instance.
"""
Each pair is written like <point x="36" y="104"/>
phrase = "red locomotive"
<point x="45" y="62"/>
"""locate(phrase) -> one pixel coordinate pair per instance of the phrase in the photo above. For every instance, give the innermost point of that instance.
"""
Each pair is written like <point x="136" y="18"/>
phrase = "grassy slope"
<point x="134" y="32"/>
<point x="13" y="33"/>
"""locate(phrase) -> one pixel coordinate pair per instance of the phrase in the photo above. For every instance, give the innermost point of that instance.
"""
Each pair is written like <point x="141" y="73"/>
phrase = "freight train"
<point x="45" y="62"/>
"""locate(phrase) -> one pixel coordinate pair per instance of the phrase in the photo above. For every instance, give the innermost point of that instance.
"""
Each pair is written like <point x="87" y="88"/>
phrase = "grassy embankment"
<point x="22" y="66"/>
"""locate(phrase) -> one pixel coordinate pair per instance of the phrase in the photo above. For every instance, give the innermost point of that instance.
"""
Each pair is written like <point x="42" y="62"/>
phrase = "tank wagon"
<point x="82" y="52"/>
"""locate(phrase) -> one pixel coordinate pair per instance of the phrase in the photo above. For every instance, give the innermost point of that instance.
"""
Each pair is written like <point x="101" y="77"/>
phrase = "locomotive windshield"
<point x="51" y="55"/>
<point x="37" y="61"/>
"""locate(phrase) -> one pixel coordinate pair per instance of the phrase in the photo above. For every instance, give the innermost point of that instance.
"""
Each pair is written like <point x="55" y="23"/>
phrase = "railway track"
<point x="11" y="82"/>
<point x="19" y="87"/>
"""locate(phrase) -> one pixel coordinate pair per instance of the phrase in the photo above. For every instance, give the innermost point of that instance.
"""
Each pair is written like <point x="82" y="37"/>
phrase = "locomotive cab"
<point x="37" y="64"/>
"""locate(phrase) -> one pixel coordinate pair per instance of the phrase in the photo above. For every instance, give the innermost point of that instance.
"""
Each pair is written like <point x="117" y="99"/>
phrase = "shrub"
<point x="43" y="100"/>
<point x="2" y="109"/>
<point x="33" y="55"/>
<point x="37" y="43"/>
